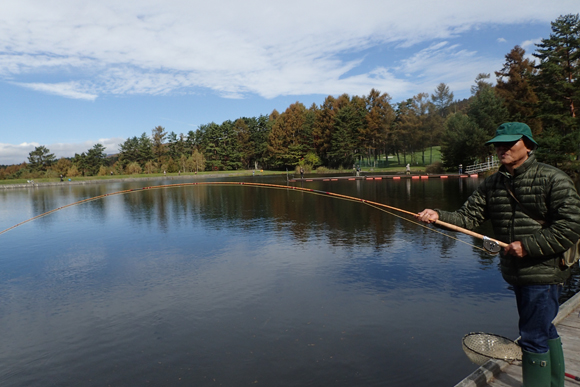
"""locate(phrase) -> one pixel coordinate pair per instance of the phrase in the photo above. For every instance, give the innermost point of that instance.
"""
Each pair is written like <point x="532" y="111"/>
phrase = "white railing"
<point x="491" y="163"/>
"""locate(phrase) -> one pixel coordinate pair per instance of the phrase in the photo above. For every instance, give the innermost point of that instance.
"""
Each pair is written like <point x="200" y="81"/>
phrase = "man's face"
<point x="512" y="154"/>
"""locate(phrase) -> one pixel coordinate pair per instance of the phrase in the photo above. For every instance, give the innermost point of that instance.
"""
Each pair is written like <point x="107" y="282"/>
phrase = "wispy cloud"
<point x="64" y="89"/>
<point x="445" y="63"/>
<point x="229" y="47"/>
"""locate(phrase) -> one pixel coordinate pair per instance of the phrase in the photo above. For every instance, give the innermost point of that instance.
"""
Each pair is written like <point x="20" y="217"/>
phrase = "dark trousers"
<point x="537" y="306"/>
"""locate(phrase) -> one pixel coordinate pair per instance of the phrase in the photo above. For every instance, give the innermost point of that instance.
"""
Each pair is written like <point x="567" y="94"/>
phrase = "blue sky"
<point x="74" y="73"/>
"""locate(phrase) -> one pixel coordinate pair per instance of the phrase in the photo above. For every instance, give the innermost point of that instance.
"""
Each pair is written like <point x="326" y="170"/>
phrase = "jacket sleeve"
<point x="471" y="214"/>
<point x="563" y="222"/>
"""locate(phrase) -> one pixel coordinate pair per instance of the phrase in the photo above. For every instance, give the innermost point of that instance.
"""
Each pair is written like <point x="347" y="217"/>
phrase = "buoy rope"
<point x="379" y="206"/>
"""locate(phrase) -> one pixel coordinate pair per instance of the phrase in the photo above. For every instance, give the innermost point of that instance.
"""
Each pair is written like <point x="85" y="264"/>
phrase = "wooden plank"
<point x="512" y="377"/>
<point x="568" y="325"/>
<point x="572" y="321"/>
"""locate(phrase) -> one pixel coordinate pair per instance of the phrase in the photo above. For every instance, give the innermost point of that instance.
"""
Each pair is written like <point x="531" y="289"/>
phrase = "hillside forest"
<point x="542" y="90"/>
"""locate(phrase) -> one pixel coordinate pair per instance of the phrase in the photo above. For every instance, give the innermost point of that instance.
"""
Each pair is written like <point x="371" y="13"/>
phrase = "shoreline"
<point x="121" y="179"/>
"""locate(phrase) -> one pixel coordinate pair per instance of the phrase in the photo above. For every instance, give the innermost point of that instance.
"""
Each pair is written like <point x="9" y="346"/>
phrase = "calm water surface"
<point x="236" y="286"/>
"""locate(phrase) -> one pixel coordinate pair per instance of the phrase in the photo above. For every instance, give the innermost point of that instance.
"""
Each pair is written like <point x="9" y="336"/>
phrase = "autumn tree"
<point x="377" y="122"/>
<point x="514" y="86"/>
<point x="61" y="166"/>
<point x="286" y="139"/>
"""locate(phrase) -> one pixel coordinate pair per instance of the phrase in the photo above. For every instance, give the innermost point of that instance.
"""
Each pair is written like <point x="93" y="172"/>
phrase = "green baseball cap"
<point x="510" y="132"/>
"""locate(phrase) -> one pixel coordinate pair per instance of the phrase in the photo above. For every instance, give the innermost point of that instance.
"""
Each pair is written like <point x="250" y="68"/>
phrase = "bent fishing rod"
<point x="490" y="245"/>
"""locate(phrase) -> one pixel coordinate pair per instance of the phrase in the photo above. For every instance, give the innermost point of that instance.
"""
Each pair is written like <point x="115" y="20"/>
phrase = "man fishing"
<point x="535" y="209"/>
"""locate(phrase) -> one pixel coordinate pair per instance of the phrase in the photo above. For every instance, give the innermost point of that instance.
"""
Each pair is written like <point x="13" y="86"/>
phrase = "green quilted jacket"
<point x="548" y="194"/>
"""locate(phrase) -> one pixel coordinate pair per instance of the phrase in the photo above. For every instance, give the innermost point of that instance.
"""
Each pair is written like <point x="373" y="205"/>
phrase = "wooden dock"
<point x="497" y="373"/>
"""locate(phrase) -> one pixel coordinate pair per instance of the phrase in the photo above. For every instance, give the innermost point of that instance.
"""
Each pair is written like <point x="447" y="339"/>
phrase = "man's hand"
<point x="427" y="216"/>
<point x="516" y="249"/>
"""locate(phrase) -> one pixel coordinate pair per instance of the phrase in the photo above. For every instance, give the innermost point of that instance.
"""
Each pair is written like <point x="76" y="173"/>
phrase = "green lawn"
<point x="394" y="167"/>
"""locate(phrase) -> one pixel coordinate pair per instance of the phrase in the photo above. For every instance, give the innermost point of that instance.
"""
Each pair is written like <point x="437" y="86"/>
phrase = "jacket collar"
<point x="521" y="169"/>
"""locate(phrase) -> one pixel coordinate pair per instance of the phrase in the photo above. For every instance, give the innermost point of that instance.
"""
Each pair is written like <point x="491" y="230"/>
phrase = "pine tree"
<point x="40" y="158"/>
<point x="558" y="84"/>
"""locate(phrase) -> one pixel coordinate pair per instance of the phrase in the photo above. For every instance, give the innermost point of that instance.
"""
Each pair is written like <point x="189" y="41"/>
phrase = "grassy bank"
<point x="394" y="167"/>
<point x="391" y="170"/>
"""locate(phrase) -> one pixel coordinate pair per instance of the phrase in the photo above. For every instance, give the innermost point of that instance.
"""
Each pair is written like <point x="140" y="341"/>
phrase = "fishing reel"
<point x="491" y="245"/>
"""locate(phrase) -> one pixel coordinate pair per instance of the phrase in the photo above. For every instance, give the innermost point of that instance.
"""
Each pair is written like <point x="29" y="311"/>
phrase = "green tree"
<point x="129" y="151"/>
<point x="323" y="127"/>
<point x="144" y="151"/>
<point x="487" y="110"/>
<point x="81" y="164"/>
<point x="40" y="159"/>
<point x="558" y="82"/>
<point x="345" y="142"/>
<point x="481" y="84"/>
<point x="247" y="147"/>
<point x="442" y="98"/>
<point x="259" y="132"/>
<point x="158" y="136"/>
<point x="462" y="141"/>
<point x="95" y="158"/>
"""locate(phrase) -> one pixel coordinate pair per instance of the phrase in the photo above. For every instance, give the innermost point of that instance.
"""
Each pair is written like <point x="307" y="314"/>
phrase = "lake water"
<point x="242" y="286"/>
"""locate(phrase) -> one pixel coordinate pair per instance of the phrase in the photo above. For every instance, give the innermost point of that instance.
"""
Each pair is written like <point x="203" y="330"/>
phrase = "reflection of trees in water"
<point x="303" y="215"/>
<point x="47" y="199"/>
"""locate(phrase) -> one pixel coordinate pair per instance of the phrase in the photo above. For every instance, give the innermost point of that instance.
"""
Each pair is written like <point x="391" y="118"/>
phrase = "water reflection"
<point x="241" y="284"/>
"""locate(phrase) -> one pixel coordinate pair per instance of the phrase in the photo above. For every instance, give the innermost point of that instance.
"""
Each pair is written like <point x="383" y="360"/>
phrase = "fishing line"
<point x="378" y="206"/>
<point x="370" y="204"/>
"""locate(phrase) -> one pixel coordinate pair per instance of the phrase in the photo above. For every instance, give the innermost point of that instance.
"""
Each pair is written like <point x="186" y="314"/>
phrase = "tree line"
<point x="542" y="91"/>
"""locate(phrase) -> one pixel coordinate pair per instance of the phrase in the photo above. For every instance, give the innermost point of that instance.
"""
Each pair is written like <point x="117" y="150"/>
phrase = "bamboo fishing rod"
<point x="490" y="244"/>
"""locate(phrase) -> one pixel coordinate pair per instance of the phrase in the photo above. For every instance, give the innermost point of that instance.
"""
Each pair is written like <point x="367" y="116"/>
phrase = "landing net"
<point x="480" y="347"/>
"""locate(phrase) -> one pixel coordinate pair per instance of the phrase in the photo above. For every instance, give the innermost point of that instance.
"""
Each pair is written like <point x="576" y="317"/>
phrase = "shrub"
<point x="436" y="167"/>
<point x="133" y="169"/>
<point x="73" y="171"/>
<point x="150" y="167"/>
<point x="51" y="173"/>
<point x="322" y="169"/>
<point x="103" y="171"/>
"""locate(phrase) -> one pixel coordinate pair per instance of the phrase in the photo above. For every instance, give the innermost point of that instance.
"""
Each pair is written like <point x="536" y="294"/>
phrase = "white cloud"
<point x="82" y="49"/>
<point x="64" y="89"/>
<point x="17" y="154"/>
<point x="442" y="62"/>
<point x="530" y="45"/>
<point x="501" y="40"/>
